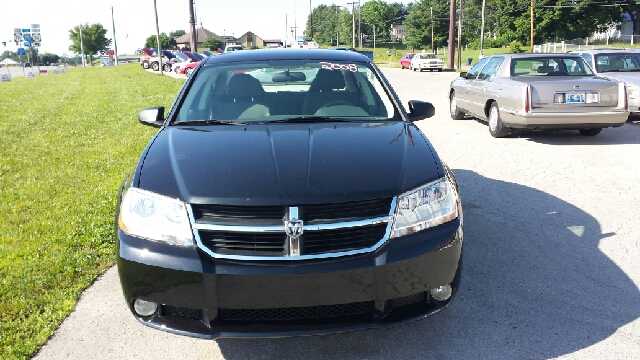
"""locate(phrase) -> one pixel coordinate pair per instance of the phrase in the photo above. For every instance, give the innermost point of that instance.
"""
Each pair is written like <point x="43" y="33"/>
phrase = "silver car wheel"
<point x="493" y="118"/>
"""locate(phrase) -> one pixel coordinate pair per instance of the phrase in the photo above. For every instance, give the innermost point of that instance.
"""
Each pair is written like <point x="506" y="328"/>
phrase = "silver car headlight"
<point x="633" y="91"/>
<point x="155" y="217"/>
<point x="427" y="206"/>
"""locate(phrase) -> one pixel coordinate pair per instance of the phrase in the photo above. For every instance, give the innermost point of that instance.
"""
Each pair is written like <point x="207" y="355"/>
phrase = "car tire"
<point x="590" y="132"/>
<point x="402" y="66"/>
<point x="496" y="127"/>
<point x="456" y="114"/>
<point x="430" y="70"/>
<point x="145" y="65"/>
<point x="188" y="71"/>
<point x="439" y="70"/>
<point x="155" y="66"/>
<point x="166" y="68"/>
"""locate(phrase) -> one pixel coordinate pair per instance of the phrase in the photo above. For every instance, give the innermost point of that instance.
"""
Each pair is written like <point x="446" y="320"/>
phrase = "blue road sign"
<point x="21" y="51"/>
<point x="27" y="38"/>
<point x="27" y="44"/>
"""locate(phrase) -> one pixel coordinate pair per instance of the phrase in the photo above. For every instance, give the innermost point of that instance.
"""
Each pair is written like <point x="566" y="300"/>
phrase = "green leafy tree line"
<point x="94" y="40"/>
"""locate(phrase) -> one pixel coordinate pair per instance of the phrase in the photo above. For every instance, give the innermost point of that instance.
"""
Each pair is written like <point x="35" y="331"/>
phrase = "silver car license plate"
<point x="577" y="97"/>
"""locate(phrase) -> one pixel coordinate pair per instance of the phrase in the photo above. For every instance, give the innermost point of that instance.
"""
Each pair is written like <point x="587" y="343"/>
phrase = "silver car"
<point x="621" y="65"/>
<point x="538" y="92"/>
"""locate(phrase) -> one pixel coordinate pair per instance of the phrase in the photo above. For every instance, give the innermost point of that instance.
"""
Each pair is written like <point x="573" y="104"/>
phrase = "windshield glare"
<point x="277" y="90"/>
<point x="550" y="66"/>
<point x="617" y="62"/>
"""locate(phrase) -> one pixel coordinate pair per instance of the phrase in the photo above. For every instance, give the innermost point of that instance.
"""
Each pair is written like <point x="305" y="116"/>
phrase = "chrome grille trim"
<point x="388" y="219"/>
<point x="280" y="228"/>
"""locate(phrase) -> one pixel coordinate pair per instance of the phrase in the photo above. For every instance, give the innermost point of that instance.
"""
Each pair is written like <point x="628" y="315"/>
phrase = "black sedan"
<point x="287" y="192"/>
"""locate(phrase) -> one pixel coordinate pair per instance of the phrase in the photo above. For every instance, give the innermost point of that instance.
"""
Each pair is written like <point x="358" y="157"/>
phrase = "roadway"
<point x="551" y="259"/>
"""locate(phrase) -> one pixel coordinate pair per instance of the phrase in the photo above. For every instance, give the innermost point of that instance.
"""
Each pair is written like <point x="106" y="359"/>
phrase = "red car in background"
<point x="187" y="68"/>
<point x="405" y="60"/>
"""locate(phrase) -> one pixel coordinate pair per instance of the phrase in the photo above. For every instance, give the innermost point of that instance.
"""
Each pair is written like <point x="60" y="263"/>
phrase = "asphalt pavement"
<point x="551" y="259"/>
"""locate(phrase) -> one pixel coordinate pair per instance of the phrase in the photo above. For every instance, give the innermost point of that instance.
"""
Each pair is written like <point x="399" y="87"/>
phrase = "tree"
<point x="166" y="41"/>
<point x="48" y="58"/>
<point x="177" y="33"/>
<point x="326" y="21"/>
<point x="418" y="24"/>
<point x="378" y="13"/>
<point x="93" y="39"/>
<point x="212" y="43"/>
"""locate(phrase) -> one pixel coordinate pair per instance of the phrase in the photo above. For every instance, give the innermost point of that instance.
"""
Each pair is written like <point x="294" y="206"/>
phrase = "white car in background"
<point x="426" y="61"/>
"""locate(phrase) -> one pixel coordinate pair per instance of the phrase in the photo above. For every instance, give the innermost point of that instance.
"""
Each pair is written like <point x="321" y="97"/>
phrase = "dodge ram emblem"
<point x="293" y="228"/>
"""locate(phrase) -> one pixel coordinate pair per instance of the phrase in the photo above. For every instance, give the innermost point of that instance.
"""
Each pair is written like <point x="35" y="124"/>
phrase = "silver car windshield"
<point x="550" y="66"/>
<point x="285" y="89"/>
<point x="617" y="62"/>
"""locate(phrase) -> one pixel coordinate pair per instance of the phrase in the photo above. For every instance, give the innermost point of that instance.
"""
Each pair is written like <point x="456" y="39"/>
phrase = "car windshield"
<point x="550" y="66"/>
<point x="286" y="90"/>
<point x="428" y="56"/>
<point x="617" y="62"/>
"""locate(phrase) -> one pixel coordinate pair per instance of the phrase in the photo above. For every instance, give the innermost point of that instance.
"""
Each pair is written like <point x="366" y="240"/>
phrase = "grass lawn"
<point x="66" y="143"/>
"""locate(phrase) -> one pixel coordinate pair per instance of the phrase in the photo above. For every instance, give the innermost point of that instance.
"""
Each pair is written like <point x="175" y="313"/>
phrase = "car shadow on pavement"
<point x="534" y="285"/>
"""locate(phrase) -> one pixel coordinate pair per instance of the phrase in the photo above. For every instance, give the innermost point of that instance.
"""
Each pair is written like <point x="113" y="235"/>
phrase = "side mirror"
<point x="463" y="74"/>
<point x="153" y="116"/>
<point x="419" y="110"/>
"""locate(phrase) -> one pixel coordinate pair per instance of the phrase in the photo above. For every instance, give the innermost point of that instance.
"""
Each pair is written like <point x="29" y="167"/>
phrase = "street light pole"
<point x="460" y="37"/>
<point x="310" y="20"/>
<point x="359" y="25"/>
<point x="192" y="26"/>
<point x="115" y="44"/>
<point x="484" y="6"/>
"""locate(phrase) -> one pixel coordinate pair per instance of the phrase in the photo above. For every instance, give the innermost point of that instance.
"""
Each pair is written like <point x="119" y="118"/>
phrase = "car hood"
<point x="287" y="164"/>
<point x="147" y="51"/>
<point x="630" y="78"/>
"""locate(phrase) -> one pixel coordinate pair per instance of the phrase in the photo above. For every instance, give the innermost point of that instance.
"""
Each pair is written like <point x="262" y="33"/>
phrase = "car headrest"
<point x="327" y="80"/>
<point x="244" y="87"/>
<point x="545" y="69"/>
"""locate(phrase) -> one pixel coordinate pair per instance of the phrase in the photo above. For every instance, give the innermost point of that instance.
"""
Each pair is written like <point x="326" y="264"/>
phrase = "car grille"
<point x="180" y="311"/>
<point x="238" y="231"/>
<point x="297" y="313"/>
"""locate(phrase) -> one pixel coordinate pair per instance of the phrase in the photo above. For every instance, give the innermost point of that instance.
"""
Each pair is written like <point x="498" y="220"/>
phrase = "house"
<point x="397" y="33"/>
<point x="202" y="35"/>
<point x="249" y="40"/>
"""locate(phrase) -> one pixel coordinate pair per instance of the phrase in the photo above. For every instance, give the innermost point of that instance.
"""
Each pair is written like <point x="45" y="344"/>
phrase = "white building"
<point x="397" y="33"/>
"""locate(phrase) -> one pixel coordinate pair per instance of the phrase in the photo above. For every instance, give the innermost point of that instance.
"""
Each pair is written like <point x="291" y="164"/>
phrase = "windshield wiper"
<point x="208" y="122"/>
<point x="305" y="119"/>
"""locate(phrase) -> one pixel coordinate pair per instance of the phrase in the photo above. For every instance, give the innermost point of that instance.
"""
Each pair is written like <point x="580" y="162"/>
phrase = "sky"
<point x="135" y="19"/>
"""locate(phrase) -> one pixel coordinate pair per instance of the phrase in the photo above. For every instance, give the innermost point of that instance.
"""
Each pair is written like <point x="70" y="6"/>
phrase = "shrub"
<point x="515" y="46"/>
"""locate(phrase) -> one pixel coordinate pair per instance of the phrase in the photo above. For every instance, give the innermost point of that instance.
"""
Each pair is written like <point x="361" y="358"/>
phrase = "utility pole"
<point x="310" y="20"/>
<point x="82" y="46"/>
<point x="374" y="38"/>
<point x="353" y="16"/>
<point x="452" y="21"/>
<point x="155" y="8"/>
<point x="115" y="44"/>
<point x="484" y="6"/>
<point x="359" y="25"/>
<point x="432" y="49"/>
<point x="532" y="3"/>
<point x="192" y="26"/>
<point x="460" y="37"/>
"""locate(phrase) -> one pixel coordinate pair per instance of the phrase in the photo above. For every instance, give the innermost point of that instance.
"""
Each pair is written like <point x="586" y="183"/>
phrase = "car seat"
<point x="325" y="89"/>
<point x="244" y="97"/>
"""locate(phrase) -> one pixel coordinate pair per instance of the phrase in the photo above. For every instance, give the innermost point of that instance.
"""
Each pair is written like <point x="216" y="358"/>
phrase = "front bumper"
<point x="431" y="66"/>
<point x="210" y="298"/>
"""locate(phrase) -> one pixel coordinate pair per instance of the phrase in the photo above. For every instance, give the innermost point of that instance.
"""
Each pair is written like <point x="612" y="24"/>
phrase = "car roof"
<point x="607" y="50"/>
<point x="287" y="54"/>
<point x="535" y="55"/>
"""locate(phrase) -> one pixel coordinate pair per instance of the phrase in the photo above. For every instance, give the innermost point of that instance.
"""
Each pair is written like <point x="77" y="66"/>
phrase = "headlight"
<point x="424" y="207"/>
<point x="155" y="217"/>
<point x="633" y="91"/>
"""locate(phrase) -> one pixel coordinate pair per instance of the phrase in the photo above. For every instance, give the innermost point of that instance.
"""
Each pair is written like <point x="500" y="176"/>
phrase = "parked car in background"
<point x="259" y="208"/>
<point x="179" y="58"/>
<point x="621" y="65"/>
<point x="233" y="47"/>
<point x="538" y="92"/>
<point x="405" y="60"/>
<point x="154" y="61"/>
<point x="144" y="60"/>
<point x="27" y="64"/>
<point x="426" y="61"/>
